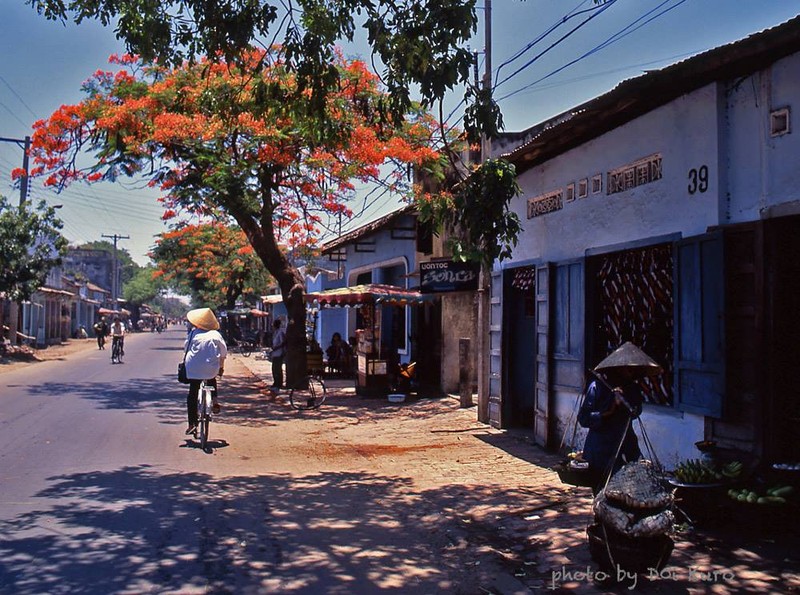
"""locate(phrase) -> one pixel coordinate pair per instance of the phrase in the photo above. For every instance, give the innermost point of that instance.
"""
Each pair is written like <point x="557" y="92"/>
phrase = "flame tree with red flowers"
<point x="213" y="262"/>
<point x="238" y="140"/>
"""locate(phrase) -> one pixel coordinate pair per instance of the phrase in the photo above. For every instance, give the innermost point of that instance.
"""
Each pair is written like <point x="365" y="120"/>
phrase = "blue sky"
<point x="44" y="64"/>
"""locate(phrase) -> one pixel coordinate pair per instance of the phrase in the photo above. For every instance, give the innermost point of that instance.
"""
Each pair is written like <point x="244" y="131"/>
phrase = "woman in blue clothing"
<point x="613" y="400"/>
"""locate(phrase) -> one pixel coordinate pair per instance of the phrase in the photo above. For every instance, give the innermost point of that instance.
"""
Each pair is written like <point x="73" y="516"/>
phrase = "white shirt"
<point x="205" y="355"/>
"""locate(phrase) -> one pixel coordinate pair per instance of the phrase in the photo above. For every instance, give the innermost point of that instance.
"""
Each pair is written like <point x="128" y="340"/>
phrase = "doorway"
<point x="520" y="344"/>
<point x="783" y="286"/>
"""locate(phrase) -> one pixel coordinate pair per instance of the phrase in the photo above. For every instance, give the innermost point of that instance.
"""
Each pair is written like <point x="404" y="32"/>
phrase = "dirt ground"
<point x="53" y="352"/>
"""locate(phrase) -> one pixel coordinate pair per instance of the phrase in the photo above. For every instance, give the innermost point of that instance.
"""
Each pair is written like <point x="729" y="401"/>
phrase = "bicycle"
<point x="309" y="394"/>
<point x="244" y="347"/>
<point x="205" y="403"/>
<point x="116" y="350"/>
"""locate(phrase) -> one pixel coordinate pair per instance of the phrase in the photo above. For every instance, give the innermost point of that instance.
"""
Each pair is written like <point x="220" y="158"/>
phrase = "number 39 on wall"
<point x="698" y="179"/>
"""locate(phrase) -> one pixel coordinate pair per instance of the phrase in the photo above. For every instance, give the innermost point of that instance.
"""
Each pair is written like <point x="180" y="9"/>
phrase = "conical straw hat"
<point x="631" y="357"/>
<point x="203" y="318"/>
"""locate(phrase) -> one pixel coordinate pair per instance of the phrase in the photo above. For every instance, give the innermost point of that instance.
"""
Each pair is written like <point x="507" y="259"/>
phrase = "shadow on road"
<point x="142" y="529"/>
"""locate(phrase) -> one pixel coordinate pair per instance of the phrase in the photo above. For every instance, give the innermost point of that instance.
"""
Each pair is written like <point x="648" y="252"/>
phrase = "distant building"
<point x="95" y="266"/>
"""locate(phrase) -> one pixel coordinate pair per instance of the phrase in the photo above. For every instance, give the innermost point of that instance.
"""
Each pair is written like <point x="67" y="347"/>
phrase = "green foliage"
<point x="481" y="227"/>
<point x="143" y="287"/>
<point x="30" y="245"/>
<point x="170" y="306"/>
<point x="482" y="116"/>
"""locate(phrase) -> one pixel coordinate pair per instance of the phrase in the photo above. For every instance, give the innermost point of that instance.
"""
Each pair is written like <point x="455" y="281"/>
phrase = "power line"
<point x="16" y="117"/>
<point x="17" y="95"/>
<point x="600" y="11"/>
<point x="115" y="267"/>
<point x="564" y="82"/>
<point x="614" y="38"/>
<point x="570" y="15"/>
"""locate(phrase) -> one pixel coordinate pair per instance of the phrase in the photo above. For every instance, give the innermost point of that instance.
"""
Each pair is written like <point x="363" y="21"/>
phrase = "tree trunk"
<point x="261" y="236"/>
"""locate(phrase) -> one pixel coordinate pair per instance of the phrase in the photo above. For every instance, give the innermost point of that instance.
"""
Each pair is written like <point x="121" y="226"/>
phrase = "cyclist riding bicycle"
<point x="117" y="337"/>
<point x="205" y="359"/>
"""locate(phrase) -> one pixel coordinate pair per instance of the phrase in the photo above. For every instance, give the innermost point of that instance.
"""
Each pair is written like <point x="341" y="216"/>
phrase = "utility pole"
<point x="114" y="267"/>
<point x="484" y="342"/>
<point x="25" y="145"/>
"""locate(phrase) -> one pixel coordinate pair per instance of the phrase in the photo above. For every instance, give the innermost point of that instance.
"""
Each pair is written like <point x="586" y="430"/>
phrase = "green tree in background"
<point x="30" y="245"/>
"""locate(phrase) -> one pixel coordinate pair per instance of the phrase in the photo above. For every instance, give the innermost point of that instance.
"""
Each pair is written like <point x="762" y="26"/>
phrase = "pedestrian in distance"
<point x="205" y="359"/>
<point x="277" y="355"/>
<point x="100" y="329"/>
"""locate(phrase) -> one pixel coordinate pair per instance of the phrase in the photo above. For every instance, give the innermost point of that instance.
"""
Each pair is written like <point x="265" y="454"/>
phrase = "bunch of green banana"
<point x="732" y="469"/>
<point x="696" y="471"/>
<point x="774" y="495"/>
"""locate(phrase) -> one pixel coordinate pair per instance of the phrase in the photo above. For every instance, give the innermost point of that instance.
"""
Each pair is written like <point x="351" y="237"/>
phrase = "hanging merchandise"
<point x="573" y="469"/>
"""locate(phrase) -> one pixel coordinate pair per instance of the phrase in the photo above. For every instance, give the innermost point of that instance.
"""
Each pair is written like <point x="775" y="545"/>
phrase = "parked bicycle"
<point x="244" y="347"/>
<point x="308" y="394"/>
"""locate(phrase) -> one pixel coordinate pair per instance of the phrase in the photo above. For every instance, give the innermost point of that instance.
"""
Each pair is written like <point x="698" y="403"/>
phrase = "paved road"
<point x="101" y="492"/>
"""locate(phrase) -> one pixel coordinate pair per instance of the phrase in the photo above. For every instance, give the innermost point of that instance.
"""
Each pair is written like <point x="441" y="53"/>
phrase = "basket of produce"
<point x="762" y="508"/>
<point x="696" y="472"/>
<point x="575" y="471"/>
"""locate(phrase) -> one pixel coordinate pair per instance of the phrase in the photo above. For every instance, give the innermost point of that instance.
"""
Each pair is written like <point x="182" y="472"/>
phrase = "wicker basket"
<point x="633" y="554"/>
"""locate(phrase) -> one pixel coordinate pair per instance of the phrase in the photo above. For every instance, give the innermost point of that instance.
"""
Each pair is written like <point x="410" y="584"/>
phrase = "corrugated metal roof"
<point x="637" y="96"/>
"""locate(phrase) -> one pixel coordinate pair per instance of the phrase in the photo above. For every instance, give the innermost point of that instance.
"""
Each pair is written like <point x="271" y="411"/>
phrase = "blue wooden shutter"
<point x="568" y="325"/>
<point x="699" y="328"/>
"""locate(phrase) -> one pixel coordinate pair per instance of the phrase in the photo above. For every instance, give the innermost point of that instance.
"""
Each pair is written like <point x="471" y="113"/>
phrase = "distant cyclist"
<point x="205" y="359"/>
<point x="117" y="336"/>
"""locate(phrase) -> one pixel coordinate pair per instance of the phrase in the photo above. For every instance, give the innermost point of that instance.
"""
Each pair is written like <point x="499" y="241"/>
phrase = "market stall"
<point x="374" y="366"/>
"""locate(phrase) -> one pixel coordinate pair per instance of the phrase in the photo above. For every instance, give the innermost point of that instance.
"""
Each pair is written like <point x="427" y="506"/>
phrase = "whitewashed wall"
<point x="763" y="172"/>
<point x="685" y="133"/>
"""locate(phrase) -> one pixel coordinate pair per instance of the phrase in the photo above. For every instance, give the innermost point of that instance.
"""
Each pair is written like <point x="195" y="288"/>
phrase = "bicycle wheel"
<point x="203" y="415"/>
<point x="246" y="348"/>
<point x="202" y="430"/>
<point x="309" y="395"/>
<point x="114" y="352"/>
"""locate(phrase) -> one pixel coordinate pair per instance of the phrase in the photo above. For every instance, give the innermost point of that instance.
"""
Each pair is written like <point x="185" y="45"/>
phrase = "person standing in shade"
<point x="277" y="354"/>
<point x="205" y="359"/>
<point x="613" y="400"/>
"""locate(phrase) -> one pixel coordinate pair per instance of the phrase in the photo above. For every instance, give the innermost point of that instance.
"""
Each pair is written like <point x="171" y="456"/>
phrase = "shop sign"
<point x="445" y="275"/>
